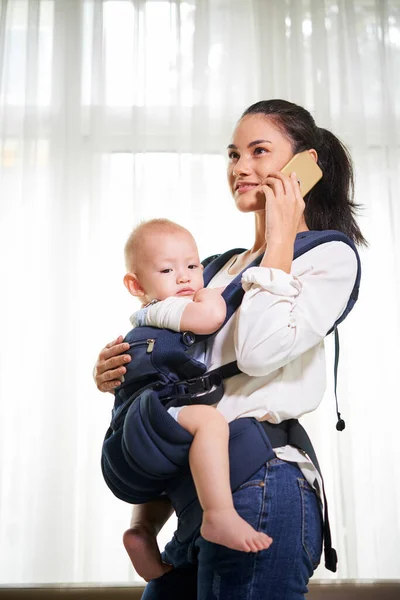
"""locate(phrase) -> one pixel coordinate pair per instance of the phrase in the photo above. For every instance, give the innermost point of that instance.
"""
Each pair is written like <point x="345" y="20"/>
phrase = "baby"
<point x="165" y="273"/>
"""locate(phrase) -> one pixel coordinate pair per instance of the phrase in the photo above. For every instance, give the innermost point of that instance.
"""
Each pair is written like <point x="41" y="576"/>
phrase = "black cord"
<point x="340" y="425"/>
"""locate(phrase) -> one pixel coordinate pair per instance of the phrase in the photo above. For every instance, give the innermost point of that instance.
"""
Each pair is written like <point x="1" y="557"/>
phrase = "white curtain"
<point x="116" y="110"/>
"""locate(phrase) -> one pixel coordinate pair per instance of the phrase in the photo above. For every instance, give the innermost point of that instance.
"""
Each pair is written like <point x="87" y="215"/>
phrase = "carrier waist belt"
<point x="247" y="439"/>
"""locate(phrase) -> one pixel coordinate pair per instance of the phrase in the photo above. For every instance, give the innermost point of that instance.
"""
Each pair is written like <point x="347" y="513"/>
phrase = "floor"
<point x="343" y="590"/>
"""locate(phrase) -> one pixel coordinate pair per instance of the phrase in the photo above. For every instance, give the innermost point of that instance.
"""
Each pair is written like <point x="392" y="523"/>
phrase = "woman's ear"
<point x="132" y="284"/>
<point x="313" y="154"/>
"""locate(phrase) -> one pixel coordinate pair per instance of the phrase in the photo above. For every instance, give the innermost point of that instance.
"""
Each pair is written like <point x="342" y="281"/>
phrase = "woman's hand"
<point x="284" y="209"/>
<point x="109" y="370"/>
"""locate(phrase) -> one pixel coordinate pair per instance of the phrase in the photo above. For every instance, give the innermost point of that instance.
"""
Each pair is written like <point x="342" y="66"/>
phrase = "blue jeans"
<point x="276" y="500"/>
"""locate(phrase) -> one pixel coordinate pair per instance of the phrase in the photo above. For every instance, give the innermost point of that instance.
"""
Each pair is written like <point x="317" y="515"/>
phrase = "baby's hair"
<point x="135" y="239"/>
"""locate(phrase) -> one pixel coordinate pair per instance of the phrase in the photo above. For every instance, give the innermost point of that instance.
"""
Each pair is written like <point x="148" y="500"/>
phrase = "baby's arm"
<point x="206" y="313"/>
<point x="203" y="315"/>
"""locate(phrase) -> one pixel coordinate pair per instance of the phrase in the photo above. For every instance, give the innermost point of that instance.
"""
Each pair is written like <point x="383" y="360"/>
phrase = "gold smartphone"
<point x="307" y="171"/>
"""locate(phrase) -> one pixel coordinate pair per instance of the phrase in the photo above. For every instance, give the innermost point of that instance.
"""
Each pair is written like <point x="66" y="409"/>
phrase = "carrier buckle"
<point x="205" y="389"/>
<point x="199" y="385"/>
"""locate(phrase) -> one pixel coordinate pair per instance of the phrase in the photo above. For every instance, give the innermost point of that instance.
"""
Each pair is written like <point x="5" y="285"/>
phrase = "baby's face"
<point x="169" y="266"/>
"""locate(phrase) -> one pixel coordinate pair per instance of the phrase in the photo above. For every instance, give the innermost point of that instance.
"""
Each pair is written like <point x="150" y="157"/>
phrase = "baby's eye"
<point x="233" y="155"/>
<point x="193" y="266"/>
<point x="166" y="271"/>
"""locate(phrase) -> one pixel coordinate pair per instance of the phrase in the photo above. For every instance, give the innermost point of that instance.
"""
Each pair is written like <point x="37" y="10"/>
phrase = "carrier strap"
<point x="292" y="433"/>
<point x="205" y="389"/>
<point x="305" y="241"/>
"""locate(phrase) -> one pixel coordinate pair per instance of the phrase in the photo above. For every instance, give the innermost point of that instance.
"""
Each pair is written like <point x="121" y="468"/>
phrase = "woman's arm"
<point x="283" y="315"/>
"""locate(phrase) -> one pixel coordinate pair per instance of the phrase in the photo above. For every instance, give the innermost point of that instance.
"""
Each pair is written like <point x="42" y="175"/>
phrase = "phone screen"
<point x="307" y="171"/>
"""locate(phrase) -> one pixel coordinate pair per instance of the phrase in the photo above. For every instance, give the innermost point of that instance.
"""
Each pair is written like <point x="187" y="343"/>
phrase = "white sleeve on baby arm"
<point x="167" y="313"/>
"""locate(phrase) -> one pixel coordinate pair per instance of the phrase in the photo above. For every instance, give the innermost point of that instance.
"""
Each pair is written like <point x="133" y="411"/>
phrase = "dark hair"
<point x="330" y="204"/>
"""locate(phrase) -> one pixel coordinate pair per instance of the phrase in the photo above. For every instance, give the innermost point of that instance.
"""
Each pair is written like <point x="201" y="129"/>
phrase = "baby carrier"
<point x="145" y="451"/>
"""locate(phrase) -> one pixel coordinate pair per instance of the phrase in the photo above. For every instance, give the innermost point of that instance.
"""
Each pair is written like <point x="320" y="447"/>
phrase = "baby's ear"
<point x="132" y="285"/>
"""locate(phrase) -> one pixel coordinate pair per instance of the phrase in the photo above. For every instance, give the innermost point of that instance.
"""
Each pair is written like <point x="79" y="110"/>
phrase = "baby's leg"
<point x="140" y="540"/>
<point x="209" y="463"/>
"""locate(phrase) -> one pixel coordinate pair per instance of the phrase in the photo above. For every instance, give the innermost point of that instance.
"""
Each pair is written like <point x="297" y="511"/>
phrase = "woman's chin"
<point x="250" y="202"/>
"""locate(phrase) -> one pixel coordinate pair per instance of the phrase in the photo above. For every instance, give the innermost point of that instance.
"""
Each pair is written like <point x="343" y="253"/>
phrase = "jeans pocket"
<point x="311" y="522"/>
<point x="249" y="500"/>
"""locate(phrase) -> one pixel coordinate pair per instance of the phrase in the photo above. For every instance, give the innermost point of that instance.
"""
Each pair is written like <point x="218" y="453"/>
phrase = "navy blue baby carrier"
<point x="145" y="451"/>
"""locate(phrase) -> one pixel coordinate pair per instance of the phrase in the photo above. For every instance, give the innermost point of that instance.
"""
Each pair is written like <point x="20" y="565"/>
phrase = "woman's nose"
<point x="242" y="167"/>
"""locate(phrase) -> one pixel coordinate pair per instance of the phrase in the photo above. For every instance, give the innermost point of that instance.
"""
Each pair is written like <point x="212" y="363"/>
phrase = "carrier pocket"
<point x="149" y="344"/>
<point x="140" y="371"/>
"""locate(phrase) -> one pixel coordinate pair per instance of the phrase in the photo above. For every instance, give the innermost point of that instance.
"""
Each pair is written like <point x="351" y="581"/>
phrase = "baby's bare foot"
<point x="227" y="528"/>
<point x="144" y="553"/>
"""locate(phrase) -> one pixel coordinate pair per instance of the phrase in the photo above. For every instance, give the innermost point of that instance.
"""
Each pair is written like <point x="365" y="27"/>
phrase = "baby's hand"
<point x="206" y="313"/>
<point x="220" y="290"/>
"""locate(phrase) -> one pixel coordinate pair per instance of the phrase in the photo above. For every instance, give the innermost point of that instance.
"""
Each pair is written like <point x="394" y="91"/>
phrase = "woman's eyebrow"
<point x="233" y="146"/>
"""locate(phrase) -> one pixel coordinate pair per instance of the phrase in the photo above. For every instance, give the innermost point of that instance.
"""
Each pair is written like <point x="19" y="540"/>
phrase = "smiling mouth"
<point x="241" y="188"/>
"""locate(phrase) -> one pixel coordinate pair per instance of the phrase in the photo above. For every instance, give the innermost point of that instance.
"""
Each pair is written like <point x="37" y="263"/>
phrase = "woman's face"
<point x="258" y="148"/>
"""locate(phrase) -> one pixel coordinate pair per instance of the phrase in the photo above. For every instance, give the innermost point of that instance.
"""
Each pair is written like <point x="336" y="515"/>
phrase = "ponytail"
<point x="330" y="204"/>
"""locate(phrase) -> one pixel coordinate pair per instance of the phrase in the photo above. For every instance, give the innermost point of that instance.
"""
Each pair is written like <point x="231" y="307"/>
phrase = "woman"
<point x="277" y="339"/>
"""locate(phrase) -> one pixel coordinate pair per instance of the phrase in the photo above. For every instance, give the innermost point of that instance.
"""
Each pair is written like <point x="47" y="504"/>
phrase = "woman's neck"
<point x="241" y="261"/>
<point x="259" y="247"/>
<point x="260" y="243"/>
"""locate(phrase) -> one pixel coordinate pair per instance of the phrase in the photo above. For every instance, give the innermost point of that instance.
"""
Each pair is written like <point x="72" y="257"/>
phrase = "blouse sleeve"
<point x="283" y="315"/>
<point x="166" y="314"/>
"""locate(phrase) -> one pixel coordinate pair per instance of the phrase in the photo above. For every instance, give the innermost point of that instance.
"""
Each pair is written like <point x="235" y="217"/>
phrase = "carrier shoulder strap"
<point x="305" y="241"/>
<point x="213" y="264"/>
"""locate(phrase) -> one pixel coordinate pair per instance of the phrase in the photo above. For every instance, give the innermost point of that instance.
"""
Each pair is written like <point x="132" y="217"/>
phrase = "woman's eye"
<point x="260" y="150"/>
<point x="233" y="155"/>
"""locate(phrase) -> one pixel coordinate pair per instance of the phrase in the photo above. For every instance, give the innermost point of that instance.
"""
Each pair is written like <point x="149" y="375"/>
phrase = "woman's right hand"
<point x="109" y="370"/>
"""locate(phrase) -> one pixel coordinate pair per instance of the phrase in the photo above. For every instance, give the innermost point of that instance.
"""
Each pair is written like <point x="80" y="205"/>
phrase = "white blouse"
<point x="277" y="337"/>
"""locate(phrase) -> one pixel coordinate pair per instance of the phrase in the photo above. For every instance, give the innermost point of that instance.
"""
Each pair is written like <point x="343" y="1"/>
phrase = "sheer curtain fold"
<point x="112" y="111"/>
